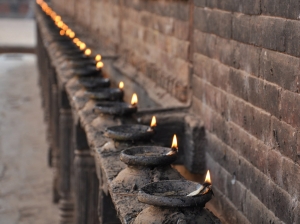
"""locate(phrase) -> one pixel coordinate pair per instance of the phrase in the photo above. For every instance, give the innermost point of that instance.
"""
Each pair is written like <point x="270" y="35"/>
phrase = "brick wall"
<point x="241" y="60"/>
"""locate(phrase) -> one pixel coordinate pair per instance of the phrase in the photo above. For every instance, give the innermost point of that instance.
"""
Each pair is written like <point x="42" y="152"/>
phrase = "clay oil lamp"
<point x="177" y="193"/>
<point x="117" y="108"/>
<point x="145" y="164"/>
<point x="150" y="156"/>
<point x="131" y="132"/>
<point x="105" y="94"/>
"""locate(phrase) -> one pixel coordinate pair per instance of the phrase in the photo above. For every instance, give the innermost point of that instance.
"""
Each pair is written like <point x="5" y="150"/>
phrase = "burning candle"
<point x="68" y="31"/>
<point x="98" y="57"/>
<point x="205" y="188"/>
<point x="121" y="85"/>
<point x="75" y="40"/>
<point x="134" y="100"/>
<point x="174" y="147"/>
<point x="87" y="52"/>
<point x="64" y="26"/>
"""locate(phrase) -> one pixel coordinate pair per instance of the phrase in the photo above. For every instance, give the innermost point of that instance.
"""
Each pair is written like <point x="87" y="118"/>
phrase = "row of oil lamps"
<point x="66" y="31"/>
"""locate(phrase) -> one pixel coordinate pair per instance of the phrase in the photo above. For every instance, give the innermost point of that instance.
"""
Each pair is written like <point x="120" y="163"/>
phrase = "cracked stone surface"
<point x="25" y="178"/>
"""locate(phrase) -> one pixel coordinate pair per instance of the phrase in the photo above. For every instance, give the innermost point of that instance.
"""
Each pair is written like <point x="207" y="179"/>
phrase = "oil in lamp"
<point x="174" y="147"/>
<point x="203" y="189"/>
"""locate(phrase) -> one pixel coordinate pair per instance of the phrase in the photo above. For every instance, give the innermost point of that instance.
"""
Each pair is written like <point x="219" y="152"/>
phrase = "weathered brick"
<point x="284" y="138"/>
<point x="264" y="31"/>
<point x="286" y="9"/>
<point x="264" y="95"/>
<point x="255" y="151"/>
<point x="253" y="179"/>
<point x="279" y="199"/>
<point x="238" y="84"/>
<point x="253" y="120"/>
<point x="290" y="107"/>
<point x="223" y="154"/>
<point x="275" y="167"/>
<point x="292" y="35"/>
<point x="291" y="177"/>
<point x="257" y="212"/>
<point x="244" y="6"/>
<point x="200" y="3"/>
<point x="211" y="70"/>
<point x="273" y="65"/>
<point x="181" y="29"/>
<point x="204" y="43"/>
<point x="208" y="21"/>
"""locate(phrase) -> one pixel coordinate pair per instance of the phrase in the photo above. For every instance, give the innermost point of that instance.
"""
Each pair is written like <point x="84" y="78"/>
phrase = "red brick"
<point x="290" y="107"/>
<point x="284" y="138"/>
<point x="181" y="29"/>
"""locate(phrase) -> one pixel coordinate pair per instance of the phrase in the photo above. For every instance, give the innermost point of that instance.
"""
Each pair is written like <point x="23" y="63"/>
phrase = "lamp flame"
<point x="153" y="122"/>
<point x="174" y="143"/>
<point x="121" y="85"/>
<point x="87" y="52"/>
<point x="72" y="34"/>
<point x="99" y="64"/>
<point x="62" y="32"/>
<point x="75" y="40"/>
<point x="207" y="178"/>
<point x="65" y="27"/>
<point x="134" y="100"/>
<point x="82" y="46"/>
<point x="68" y="31"/>
<point x="98" y="57"/>
<point x="57" y="18"/>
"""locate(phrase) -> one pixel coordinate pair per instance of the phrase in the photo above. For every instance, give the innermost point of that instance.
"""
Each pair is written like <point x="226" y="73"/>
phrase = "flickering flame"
<point x="134" y="100"/>
<point x="60" y="24"/>
<point x="82" y="46"/>
<point x="87" y="52"/>
<point x="65" y="27"/>
<point x="98" y="57"/>
<point x="78" y="43"/>
<point x="62" y="32"/>
<point x="39" y="1"/>
<point x="207" y="178"/>
<point x="99" y="64"/>
<point x="57" y="18"/>
<point x="72" y="34"/>
<point x="53" y="15"/>
<point x="75" y="40"/>
<point x="68" y="31"/>
<point x="174" y="143"/>
<point x="153" y="122"/>
<point x="121" y="85"/>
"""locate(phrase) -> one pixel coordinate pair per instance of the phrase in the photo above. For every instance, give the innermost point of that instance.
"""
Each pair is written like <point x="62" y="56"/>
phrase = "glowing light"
<point x="98" y="57"/>
<point x="207" y="178"/>
<point x="121" y="85"/>
<point x="87" y="52"/>
<point x="60" y="24"/>
<point x="82" y="46"/>
<point x="62" y="32"/>
<point x="57" y="18"/>
<point x="65" y="27"/>
<point x="72" y="34"/>
<point x="68" y="31"/>
<point x="99" y="64"/>
<point x="153" y="122"/>
<point x="134" y="100"/>
<point x="174" y="143"/>
<point x="75" y="40"/>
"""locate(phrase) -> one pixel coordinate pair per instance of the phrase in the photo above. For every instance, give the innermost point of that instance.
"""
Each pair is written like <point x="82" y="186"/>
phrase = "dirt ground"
<point x="25" y="178"/>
